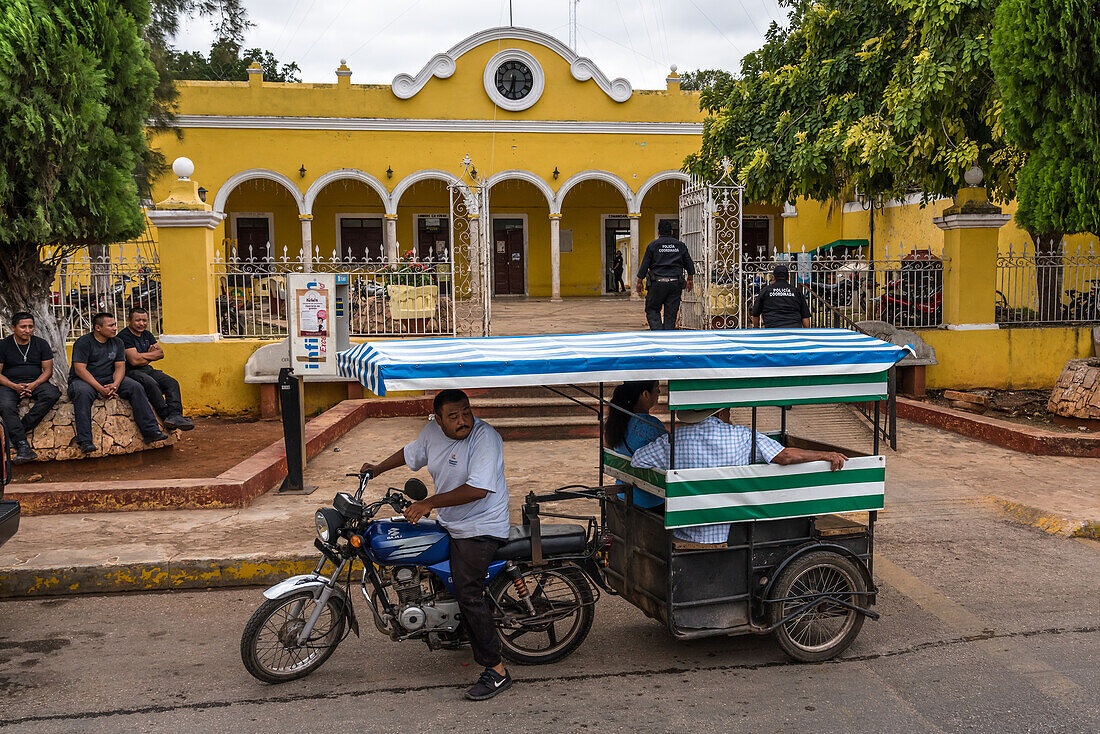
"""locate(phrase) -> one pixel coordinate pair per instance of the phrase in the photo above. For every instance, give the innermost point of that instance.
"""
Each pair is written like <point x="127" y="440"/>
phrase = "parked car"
<point x="9" y="509"/>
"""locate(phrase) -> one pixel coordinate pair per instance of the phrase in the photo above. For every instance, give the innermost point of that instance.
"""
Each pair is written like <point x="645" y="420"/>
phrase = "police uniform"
<point x="781" y="305"/>
<point x="664" y="262"/>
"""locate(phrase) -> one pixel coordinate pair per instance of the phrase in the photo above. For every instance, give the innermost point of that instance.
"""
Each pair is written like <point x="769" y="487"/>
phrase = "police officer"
<point x="781" y="305"/>
<point x="665" y="260"/>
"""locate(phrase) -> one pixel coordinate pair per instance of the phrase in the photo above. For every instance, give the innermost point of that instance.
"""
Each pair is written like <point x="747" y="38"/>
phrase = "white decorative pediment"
<point x="443" y="65"/>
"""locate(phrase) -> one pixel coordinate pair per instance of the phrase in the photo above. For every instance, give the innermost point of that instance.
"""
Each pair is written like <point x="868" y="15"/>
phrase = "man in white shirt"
<point x="465" y="457"/>
<point x="703" y="440"/>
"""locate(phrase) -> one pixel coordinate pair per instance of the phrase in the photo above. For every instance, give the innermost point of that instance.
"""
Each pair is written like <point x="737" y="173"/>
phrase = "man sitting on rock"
<point x="99" y="370"/>
<point x="26" y="363"/>
<point x="142" y="350"/>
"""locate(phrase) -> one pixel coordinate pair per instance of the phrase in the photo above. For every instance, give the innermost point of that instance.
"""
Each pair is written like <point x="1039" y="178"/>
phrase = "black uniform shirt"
<point x="20" y="369"/>
<point x="141" y="342"/>
<point x="99" y="358"/>
<point x="781" y="306"/>
<point x="666" y="257"/>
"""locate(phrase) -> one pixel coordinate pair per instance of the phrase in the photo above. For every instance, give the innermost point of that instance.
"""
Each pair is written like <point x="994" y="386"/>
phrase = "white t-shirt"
<point x="477" y="460"/>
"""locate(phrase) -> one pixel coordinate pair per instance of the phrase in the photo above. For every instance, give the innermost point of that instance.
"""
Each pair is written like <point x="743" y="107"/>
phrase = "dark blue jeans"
<point x="44" y="397"/>
<point x="82" y="394"/>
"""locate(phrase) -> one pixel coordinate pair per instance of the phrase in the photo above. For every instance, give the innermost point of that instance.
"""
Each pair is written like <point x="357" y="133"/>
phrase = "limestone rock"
<point x="925" y="353"/>
<point x="1077" y="393"/>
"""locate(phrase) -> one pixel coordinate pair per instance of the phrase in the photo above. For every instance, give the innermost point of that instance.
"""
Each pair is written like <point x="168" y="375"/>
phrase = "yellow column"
<point x="185" y="228"/>
<point x="970" y="254"/>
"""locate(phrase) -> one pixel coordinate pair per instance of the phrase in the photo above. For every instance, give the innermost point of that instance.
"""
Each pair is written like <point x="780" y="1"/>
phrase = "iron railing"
<point x="1061" y="285"/>
<point x="84" y="286"/>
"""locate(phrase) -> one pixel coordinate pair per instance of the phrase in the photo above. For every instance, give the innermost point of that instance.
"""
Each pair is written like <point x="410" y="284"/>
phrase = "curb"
<point x="1061" y="525"/>
<point x="192" y="573"/>
<point x="1000" y="433"/>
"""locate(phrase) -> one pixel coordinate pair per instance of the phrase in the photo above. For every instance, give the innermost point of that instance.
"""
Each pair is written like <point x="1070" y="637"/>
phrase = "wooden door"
<point x="253" y="236"/>
<point x="508" y="263"/>
<point x="431" y="239"/>
<point x="756" y="237"/>
<point x="361" y="238"/>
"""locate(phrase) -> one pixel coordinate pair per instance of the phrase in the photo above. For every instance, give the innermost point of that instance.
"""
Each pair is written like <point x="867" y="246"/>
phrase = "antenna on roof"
<point x="510" y="22"/>
<point x="573" y="24"/>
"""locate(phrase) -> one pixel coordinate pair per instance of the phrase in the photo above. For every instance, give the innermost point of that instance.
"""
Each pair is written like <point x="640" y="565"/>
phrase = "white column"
<point x="555" y="257"/>
<point x="391" y="238"/>
<point x="632" y="266"/>
<point x="475" y="255"/>
<point x="307" y="241"/>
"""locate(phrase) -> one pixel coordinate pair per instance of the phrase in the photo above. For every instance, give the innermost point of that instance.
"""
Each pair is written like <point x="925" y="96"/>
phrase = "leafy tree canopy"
<point x="1046" y="55"/>
<point x="710" y="79"/>
<point x="227" y="62"/>
<point x="885" y="98"/>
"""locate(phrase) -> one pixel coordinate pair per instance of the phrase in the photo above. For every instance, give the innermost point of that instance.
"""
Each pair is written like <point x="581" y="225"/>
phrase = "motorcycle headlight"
<point x="328" y="521"/>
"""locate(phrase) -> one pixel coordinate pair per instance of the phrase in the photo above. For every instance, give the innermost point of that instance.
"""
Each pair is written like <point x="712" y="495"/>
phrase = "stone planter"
<point x="1077" y="393"/>
<point x="113" y="431"/>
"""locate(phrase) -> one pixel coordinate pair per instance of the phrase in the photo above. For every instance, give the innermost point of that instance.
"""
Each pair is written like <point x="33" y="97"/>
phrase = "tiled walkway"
<point x="513" y="317"/>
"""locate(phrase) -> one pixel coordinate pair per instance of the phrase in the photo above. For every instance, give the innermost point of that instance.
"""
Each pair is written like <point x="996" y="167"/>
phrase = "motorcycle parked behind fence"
<point x="543" y="611"/>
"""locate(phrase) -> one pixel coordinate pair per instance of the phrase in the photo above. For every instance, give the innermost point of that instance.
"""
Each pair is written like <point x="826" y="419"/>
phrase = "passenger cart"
<point x="799" y="554"/>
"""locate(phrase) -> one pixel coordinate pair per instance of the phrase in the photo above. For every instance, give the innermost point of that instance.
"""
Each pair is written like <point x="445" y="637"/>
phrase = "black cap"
<point x="781" y="272"/>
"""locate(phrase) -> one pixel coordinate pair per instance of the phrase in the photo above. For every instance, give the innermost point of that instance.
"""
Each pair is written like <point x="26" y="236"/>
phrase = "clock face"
<point x="514" y="80"/>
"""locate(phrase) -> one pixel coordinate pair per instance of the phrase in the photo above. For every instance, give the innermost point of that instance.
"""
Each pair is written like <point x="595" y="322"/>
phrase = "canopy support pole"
<point x="600" y="447"/>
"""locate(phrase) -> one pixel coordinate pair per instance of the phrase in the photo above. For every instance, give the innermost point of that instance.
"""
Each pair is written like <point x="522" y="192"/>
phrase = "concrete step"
<point x="550" y="428"/>
<point x="489" y="407"/>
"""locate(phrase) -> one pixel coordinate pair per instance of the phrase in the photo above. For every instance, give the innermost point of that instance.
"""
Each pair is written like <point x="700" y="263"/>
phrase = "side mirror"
<point x="415" y="489"/>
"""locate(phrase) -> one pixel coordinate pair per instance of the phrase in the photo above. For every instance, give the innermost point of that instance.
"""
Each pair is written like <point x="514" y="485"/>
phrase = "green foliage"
<point x="883" y="97"/>
<point x="227" y="62"/>
<point x="1046" y="56"/>
<point x="709" y="79"/>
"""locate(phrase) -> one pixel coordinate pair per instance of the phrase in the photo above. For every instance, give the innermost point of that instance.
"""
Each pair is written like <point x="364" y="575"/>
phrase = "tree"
<point x="227" y="62"/>
<point x="1046" y="57"/>
<point x="76" y="84"/>
<point x="879" y="98"/>
<point x="710" y="79"/>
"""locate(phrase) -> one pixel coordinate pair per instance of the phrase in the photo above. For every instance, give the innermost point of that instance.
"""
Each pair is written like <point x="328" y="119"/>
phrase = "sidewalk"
<point x="273" y="537"/>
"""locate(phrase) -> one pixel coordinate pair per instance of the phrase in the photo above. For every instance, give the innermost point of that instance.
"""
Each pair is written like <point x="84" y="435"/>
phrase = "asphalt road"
<point x="987" y="626"/>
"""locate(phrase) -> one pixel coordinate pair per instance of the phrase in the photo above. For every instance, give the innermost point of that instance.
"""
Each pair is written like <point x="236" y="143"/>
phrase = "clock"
<point x="514" y="80"/>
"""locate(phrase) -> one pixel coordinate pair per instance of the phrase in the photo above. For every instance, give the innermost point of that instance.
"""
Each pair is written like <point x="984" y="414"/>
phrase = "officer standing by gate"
<point x="665" y="261"/>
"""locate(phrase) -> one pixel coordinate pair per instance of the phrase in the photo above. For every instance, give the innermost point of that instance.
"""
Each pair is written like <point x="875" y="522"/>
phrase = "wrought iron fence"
<point x="406" y="297"/>
<point x="84" y="286"/>
<point x="906" y="291"/>
<point x="1060" y="285"/>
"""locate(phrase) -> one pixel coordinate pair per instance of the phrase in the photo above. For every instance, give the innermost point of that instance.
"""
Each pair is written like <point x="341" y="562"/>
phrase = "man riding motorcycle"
<point x="465" y="457"/>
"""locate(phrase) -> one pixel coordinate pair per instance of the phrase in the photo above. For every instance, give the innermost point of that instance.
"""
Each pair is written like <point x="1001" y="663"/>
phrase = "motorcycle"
<point x="543" y="610"/>
<point x="1083" y="305"/>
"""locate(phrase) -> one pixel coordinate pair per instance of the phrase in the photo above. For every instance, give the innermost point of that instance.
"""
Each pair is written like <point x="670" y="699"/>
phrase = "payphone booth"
<point x="318" y="327"/>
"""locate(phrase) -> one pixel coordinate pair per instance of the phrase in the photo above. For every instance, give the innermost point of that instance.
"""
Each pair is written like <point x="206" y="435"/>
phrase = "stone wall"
<point x="1077" y="393"/>
<point x="113" y="431"/>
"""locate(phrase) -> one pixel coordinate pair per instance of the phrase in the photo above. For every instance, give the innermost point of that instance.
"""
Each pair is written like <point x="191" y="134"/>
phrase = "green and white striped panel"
<point x="749" y="391"/>
<point x="618" y="466"/>
<point x="770" y="492"/>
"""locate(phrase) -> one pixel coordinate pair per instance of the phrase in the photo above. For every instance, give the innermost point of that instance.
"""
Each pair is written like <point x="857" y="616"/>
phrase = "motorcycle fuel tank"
<point x="400" y="542"/>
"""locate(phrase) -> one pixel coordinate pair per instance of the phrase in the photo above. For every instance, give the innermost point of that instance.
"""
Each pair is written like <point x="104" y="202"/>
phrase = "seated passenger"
<point x="625" y="434"/>
<point x="705" y="441"/>
<point x="26" y="363"/>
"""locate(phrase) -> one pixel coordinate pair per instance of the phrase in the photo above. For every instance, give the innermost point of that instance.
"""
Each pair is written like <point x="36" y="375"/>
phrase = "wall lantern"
<point x="202" y="194"/>
<point x="389" y="172"/>
<point x="473" y="173"/>
<point x="556" y="173"/>
<point x="302" y="171"/>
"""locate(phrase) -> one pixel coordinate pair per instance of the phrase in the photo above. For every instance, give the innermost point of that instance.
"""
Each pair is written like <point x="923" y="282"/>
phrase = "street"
<point x="987" y="626"/>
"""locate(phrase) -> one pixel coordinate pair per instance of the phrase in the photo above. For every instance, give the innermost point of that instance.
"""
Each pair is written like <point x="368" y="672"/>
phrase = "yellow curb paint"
<point x="1047" y="522"/>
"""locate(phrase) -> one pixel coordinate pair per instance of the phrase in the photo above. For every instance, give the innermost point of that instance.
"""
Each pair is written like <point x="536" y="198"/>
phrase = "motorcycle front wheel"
<point x="270" y="648"/>
<point x="562" y="600"/>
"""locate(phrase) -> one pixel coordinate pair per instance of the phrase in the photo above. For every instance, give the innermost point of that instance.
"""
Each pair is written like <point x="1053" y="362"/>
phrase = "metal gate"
<point x="710" y="226"/>
<point x="471" y="291"/>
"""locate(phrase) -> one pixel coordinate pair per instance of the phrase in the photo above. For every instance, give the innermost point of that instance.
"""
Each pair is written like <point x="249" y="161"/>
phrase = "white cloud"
<point x="635" y="39"/>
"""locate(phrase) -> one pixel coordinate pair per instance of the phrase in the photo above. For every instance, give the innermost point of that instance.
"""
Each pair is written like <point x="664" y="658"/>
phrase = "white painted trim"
<point x="378" y="124"/>
<point x="239" y="178"/>
<point x="972" y="327"/>
<point x="907" y="200"/>
<point x="972" y="221"/>
<point x="516" y="174"/>
<point x="594" y="174"/>
<point x="492" y="252"/>
<point x="188" y="338"/>
<point x="789" y="210"/>
<point x="604" y="265"/>
<point x="669" y="175"/>
<point x="357" y="215"/>
<point x="184" y="218"/>
<point x="443" y="65"/>
<point x="426" y="174"/>
<point x="538" y="79"/>
<point x="353" y="174"/>
<point x="269" y="216"/>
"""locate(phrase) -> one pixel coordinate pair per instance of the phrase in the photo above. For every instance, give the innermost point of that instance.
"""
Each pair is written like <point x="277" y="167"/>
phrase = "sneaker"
<point x="154" y="437"/>
<point x="178" y="421"/>
<point x="24" y="453"/>
<point x="88" y="447"/>
<point x="488" y="685"/>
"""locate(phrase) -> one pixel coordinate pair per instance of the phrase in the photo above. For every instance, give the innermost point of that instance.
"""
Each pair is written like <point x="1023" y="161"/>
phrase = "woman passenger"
<point x="625" y="433"/>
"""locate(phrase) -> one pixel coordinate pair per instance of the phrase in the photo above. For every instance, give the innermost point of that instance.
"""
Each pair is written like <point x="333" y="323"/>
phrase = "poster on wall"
<point x="313" y="308"/>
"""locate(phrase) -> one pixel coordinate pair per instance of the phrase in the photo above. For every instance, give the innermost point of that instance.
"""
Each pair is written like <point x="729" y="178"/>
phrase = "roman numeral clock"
<point x="514" y="79"/>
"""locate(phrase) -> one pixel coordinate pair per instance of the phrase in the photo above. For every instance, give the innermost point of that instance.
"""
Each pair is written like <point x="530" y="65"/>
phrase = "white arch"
<point x="354" y="174"/>
<point x="521" y="175"/>
<point x="254" y="173"/>
<point x="594" y="175"/>
<point x="426" y="174"/>
<point x="669" y="175"/>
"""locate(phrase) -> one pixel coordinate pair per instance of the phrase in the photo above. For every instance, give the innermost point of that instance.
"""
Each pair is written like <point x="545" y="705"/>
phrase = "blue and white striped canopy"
<point x="504" y="361"/>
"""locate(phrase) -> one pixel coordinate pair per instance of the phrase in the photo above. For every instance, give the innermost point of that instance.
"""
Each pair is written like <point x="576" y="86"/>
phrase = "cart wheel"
<point x="826" y="630"/>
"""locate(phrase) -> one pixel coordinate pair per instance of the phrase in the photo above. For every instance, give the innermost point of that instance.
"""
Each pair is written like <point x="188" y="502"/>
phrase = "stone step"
<point x="489" y="407"/>
<point x="550" y="428"/>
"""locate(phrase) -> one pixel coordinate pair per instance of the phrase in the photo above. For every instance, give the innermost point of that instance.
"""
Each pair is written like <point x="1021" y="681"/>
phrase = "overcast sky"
<point x="635" y="39"/>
